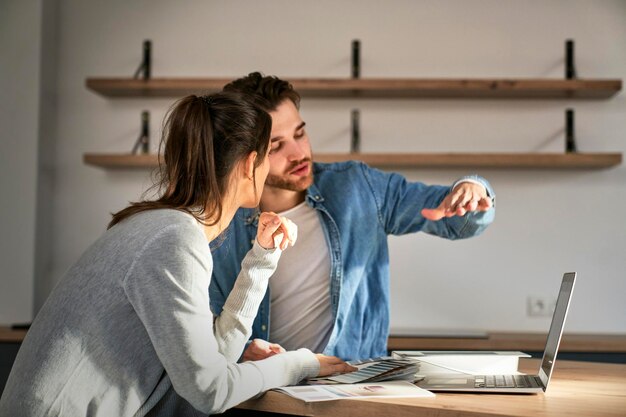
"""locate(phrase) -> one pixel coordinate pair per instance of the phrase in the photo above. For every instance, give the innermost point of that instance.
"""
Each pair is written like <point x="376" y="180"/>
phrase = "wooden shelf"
<point x="9" y="335"/>
<point x="482" y="160"/>
<point x="113" y="161"/>
<point x="374" y="87"/>
<point x="412" y="160"/>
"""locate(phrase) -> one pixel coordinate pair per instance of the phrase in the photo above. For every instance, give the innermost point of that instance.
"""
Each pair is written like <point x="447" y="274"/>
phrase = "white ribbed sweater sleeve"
<point x="234" y="325"/>
<point x="167" y="285"/>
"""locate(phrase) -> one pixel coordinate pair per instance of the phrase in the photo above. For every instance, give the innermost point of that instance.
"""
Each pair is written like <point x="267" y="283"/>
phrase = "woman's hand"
<point x="330" y="365"/>
<point x="260" y="349"/>
<point x="466" y="197"/>
<point x="275" y="231"/>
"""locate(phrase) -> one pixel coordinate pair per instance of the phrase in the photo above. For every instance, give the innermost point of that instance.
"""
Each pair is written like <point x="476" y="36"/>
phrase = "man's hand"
<point x="275" y="231"/>
<point x="330" y="365"/>
<point x="260" y="349"/>
<point x="464" y="198"/>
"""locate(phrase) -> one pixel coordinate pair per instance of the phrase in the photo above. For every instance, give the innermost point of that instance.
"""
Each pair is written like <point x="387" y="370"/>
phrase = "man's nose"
<point x="296" y="151"/>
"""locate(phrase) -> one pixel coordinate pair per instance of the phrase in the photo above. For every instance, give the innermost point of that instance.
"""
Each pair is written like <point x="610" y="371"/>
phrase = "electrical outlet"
<point x="540" y="306"/>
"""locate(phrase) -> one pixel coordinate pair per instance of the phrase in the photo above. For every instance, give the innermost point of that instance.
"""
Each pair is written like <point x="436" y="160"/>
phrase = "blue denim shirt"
<point x="358" y="206"/>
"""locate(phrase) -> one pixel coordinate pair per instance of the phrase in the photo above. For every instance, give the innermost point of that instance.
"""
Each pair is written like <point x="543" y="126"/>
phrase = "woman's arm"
<point x="232" y="328"/>
<point x="167" y="287"/>
<point x="234" y="325"/>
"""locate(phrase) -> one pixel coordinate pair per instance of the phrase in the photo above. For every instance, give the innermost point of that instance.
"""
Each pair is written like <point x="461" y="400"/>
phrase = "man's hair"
<point x="267" y="91"/>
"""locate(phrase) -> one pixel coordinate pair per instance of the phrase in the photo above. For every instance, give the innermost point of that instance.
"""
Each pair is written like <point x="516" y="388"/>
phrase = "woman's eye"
<point x="299" y="134"/>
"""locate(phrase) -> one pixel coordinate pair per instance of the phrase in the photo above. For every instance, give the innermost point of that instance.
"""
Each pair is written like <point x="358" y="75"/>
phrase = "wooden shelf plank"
<point x="7" y="334"/>
<point x="113" y="161"/>
<point x="374" y="87"/>
<point x="155" y="87"/>
<point x="413" y="160"/>
<point x="482" y="160"/>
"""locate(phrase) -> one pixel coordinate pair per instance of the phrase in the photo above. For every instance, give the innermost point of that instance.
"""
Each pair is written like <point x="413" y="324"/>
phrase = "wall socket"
<point x="540" y="306"/>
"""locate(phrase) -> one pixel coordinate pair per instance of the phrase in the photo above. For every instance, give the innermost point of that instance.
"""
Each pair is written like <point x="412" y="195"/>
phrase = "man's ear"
<point x="248" y="167"/>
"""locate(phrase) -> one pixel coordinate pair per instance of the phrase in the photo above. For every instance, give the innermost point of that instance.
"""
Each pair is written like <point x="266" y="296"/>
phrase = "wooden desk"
<point x="577" y="389"/>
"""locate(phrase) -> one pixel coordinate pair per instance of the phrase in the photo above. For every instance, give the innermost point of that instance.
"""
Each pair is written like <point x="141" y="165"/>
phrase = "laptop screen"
<point x="556" y="328"/>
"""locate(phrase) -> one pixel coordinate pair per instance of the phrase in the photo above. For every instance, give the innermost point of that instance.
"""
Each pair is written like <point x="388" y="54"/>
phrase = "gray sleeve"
<point x="234" y="324"/>
<point x="167" y="286"/>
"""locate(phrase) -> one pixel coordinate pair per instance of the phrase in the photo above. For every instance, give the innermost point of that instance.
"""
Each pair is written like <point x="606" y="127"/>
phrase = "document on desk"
<point x="391" y="389"/>
<point x="472" y="362"/>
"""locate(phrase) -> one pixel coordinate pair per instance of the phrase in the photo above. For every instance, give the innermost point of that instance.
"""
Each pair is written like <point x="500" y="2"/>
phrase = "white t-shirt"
<point x="301" y="314"/>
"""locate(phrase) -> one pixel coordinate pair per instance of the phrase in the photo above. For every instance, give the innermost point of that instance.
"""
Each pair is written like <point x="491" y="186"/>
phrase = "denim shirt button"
<point x="317" y="198"/>
<point x="263" y="327"/>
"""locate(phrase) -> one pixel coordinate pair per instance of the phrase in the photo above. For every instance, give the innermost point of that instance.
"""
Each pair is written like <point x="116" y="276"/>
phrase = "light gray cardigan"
<point x="131" y="320"/>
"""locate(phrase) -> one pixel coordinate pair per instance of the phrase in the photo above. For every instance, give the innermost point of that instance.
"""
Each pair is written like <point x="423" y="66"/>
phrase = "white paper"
<point x="465" y="362"/>
<point x="391" y="389"/>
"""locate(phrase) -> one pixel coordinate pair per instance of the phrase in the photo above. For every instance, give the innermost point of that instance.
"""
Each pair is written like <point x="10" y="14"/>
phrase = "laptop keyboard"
<point x="505" y="381"/>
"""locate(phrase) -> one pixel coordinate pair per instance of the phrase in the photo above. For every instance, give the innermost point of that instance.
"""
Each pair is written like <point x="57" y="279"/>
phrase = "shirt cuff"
<point x="260" y="251"/>
<point x="475" y="179"/>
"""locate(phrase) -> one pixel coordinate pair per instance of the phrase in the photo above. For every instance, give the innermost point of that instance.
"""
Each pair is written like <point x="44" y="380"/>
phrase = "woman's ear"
<point x="249" y="165"/>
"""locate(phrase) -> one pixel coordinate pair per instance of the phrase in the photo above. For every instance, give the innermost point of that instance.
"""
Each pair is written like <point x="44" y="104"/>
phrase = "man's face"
<point x="291" y="167"/>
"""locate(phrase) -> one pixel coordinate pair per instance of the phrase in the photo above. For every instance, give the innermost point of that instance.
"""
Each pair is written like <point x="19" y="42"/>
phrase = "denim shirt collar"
<point x="313" y="196"/>
<point x="250" y="216"/>
<point x="313" y="199"/>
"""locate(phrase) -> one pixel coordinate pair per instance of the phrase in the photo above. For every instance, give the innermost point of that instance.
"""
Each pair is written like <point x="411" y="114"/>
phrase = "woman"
<point x="128" y="329"/>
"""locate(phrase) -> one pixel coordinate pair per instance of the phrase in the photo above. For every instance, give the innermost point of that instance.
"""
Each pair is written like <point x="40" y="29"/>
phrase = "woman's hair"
<point x="203" y="140"/>
<point x="268" y="91"/>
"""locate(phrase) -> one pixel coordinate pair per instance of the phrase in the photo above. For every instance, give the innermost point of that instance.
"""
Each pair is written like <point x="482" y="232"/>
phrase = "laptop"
<point x="518" y="383"/>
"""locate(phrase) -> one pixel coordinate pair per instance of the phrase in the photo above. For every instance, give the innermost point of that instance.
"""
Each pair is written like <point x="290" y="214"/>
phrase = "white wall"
<point x="46" y="176"/>
<point x="548" y="222"/>
<point x="19" y="121"/>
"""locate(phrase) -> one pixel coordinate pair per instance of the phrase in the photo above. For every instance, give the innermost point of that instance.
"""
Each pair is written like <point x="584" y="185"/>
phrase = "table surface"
<point x="576" y="389"/>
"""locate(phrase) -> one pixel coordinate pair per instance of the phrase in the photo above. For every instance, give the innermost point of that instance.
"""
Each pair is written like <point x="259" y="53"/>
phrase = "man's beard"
<point x="301" y="184"/>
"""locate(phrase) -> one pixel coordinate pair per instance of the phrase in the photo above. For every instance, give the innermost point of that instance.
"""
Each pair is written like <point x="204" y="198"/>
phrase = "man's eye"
<point x="275" y="147"/>
<point x="299" y="134"/>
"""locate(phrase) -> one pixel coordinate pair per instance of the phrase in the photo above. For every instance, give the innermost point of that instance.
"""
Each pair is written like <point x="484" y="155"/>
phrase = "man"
<point x="330" y="293"/>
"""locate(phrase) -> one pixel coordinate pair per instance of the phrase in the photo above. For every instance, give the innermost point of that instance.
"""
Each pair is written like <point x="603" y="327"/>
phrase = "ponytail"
<point x="203" y="140"/>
